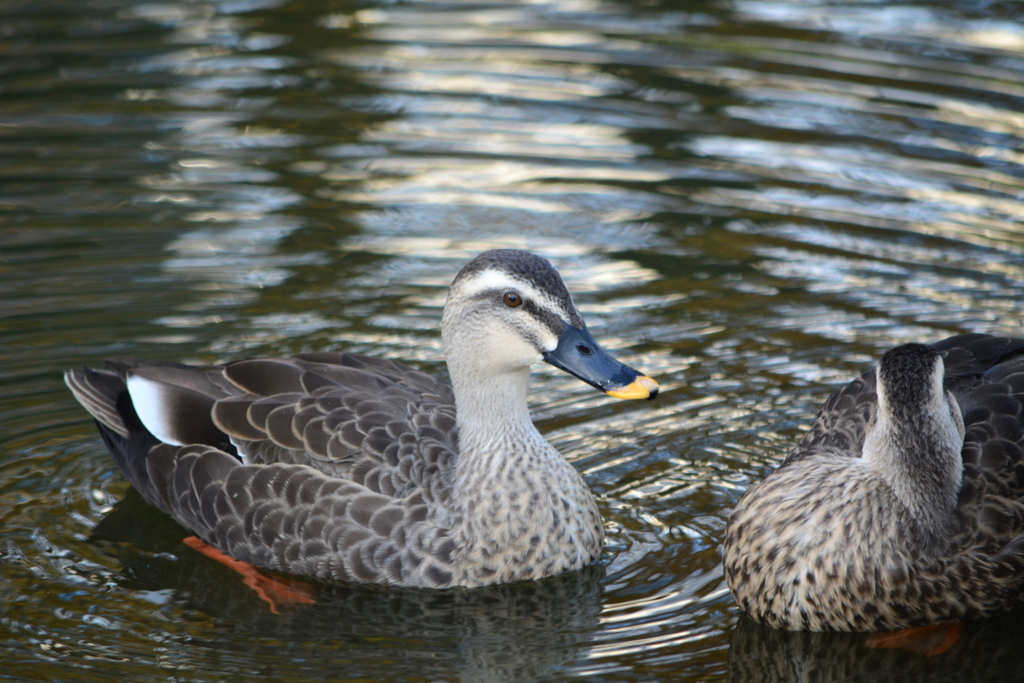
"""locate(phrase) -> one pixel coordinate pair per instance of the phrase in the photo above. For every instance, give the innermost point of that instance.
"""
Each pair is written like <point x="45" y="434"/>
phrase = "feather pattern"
<point x="902" y="506"/>
<point x="345" y="467"/>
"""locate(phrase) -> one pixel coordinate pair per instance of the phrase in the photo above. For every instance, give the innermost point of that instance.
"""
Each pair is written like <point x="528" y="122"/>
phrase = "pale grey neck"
<point x="505" y="466"/>
<point x="495" y="429"/>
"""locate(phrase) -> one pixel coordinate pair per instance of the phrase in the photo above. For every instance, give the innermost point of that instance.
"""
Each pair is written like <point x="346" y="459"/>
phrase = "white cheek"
<point x="508" y="348"/>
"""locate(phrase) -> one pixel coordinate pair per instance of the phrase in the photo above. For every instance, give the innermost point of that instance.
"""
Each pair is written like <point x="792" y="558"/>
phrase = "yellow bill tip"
<point x="642" y="387"/>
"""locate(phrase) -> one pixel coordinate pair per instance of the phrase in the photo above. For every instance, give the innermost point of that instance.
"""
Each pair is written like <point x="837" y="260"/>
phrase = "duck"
<point x="902" y="507"/>
<point x="344" y="467"/>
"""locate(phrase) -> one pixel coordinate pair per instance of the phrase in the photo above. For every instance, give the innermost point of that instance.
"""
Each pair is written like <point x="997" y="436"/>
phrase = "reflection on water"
<point x="749" y="200"/>
<point x="520" y="632"/>
<point x="762" y="655"/>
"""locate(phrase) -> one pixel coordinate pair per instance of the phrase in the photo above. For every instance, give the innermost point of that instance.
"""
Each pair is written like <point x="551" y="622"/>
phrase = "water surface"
<point x="749" y="200"/>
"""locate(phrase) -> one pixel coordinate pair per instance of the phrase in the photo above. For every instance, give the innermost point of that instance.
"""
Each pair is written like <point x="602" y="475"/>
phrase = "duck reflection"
<point x="986" y="651"/>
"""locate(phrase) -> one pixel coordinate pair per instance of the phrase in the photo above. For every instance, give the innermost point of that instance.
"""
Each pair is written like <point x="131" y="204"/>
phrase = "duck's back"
<point x="375" y="422"/>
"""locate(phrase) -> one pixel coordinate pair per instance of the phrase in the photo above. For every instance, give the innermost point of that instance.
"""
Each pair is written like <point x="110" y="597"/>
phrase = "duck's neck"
<point x="919" y="457"/>
<point x="497" y="440"/>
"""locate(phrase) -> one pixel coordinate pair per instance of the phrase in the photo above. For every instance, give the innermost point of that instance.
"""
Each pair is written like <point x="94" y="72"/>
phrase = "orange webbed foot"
<point x="923" y="640"/>
<point x="272" y="590"/>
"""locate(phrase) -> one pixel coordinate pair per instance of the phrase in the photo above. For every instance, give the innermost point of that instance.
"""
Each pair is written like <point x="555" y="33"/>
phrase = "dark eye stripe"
<point x="550" y="320"/>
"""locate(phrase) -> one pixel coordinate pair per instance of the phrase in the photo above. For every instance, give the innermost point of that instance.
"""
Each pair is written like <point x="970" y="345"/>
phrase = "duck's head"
<point x="508" y="309"/>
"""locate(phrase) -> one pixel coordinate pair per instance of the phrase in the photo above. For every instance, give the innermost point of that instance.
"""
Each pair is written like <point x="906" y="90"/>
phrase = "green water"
<point x="749" y="200"/>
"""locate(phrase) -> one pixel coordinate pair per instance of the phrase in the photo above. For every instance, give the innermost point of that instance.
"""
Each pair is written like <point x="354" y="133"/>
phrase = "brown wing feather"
<point x="993" y="482"/>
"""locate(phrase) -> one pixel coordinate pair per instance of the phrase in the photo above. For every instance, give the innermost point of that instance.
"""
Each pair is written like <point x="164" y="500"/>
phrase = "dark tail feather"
<point x="130" y="451"/>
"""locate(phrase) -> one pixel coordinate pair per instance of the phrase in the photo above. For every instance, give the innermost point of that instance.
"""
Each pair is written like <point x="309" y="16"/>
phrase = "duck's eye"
<point x="512" y="300"/>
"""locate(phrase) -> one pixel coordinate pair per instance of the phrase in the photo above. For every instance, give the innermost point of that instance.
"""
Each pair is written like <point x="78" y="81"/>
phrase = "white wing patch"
<point x="150" y="401"/>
